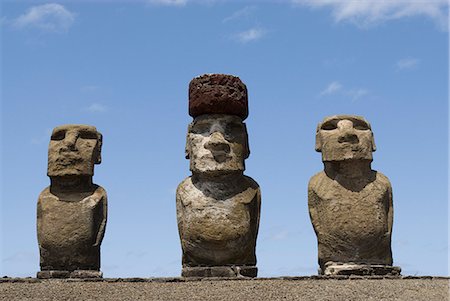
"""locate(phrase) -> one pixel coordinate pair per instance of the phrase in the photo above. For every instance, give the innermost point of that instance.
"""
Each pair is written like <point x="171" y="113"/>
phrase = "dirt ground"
<point x="300" y="288"/>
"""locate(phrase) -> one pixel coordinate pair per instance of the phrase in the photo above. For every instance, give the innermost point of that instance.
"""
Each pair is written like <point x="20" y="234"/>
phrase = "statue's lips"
<point x="218" y="156"/>
<point x="68" y="158"/>
<point x="221" y="157"/>
<point x="350" y="146"/>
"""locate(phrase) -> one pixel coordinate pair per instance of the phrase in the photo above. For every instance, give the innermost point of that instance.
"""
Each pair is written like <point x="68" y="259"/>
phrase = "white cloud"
<point x="332" y="88"/>
<point x="242" y="13"/>
<point x="407" y="63"/>
<point x="168" y="2"/>
<point x="250" y="35"/>
<point x="357" y="93"/>
<point x="51" y="17"/>
<point x="43" y="137"/>
<point x="282" y="235"/>
<point x="21" y="256"/>
<point x="337" y="88"/>
<point x="89" y="88"/>
<point x="97" y="108"/>
<point x="369" y="12"/>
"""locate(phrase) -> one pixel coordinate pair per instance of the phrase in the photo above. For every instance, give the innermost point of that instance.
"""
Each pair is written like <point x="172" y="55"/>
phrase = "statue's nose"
<point x="71" y="140"/>
<point x="348" y="137"/>
<point x="217" y="143"/>
<point x="347" y="132"/>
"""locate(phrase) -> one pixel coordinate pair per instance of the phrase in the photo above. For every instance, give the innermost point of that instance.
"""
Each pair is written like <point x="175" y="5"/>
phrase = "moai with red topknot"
<point x="218" y="207"/>
<point x="350" y="204"/>
<point x="71" y="212"/>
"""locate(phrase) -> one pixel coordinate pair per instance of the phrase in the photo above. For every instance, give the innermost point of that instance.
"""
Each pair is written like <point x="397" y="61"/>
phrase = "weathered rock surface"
<point x="350" y="204"/>
<point x="71" y="212"/>
<point x="218" y="94"/>
<point x="290" y="288"/>
<point x="215" y="229"/>
<point x="218" y="207"/>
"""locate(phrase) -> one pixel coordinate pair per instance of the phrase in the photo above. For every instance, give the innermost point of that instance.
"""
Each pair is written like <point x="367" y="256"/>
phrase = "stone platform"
<point x="284" y="288"/>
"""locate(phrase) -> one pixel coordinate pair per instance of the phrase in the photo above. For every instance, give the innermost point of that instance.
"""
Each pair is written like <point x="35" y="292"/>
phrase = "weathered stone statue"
<point x="350" y="204"/>
<point x="218" y="206"/>
<point x="71" y="212"/>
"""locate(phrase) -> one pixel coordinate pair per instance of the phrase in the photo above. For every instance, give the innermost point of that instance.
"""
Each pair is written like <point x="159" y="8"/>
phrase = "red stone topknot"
<point x="218" y="94"/>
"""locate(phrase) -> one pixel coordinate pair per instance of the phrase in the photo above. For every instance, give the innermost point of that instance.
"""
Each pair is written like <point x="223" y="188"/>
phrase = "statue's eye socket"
<point x="328" y="126"/>
<point x="362" y="126"/>
<point x="234" y="128"/>
<point x="87" y="135"/>
<point x="200" y="128"/>
<point x="60" y="135"/>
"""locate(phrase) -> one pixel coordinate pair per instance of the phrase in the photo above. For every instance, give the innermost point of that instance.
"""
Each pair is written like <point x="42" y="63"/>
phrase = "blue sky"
<point x="125" y="68"/>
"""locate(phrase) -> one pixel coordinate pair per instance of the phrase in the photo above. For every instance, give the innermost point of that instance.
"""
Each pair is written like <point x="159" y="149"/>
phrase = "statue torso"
<point x="218" y="227"/>
<point x="70" y="224"/>
<point x="349" y="223"/>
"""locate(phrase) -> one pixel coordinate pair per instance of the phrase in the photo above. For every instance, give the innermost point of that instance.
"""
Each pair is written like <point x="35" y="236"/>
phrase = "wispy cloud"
<point x="408" y="63"/>
<point x="332" y="88"/>
<point x="250" y="35"/>
<point x="50" y="17"/>
<point x="96" y="108"/>
<point x="283" y="234"/>
<point x="21" y="256"/>
<point x="137" y="254"/>
<point x="44" y="137"/>
<point x="356" y="94"/>
<point x="89" y="88"/>
<point x="245" y="12"/>
<point x="168" y="2"/>
<point x="336" y="87"/>
<point x="370" y="12"/>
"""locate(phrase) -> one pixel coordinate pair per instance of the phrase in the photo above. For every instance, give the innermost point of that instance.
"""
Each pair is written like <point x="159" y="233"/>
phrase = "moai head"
<point x="73" y="150"/>
<point x="217" y="138"/>
<point x="345" y="137"/>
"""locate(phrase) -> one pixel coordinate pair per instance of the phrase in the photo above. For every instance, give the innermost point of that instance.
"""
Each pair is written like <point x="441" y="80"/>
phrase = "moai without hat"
<point x="71" y="212"/>
<point x="218" y="206"/>
<point x="350" y="204"/>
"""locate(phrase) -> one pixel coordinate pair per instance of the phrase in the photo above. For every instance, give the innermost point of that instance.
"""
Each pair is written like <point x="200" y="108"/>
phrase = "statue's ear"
<point x="374" y="147"/>
<point x="247" y="145"/>
<point x="318" y="146"/>
<point x="98" y="149"/>
<point x="187" y="148"/>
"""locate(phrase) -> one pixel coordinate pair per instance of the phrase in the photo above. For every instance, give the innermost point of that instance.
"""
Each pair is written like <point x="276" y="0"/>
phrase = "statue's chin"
<point x="216" y="171"/>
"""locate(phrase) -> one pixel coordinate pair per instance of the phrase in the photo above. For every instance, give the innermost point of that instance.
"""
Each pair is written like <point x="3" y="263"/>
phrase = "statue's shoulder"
<point x="99" y="192"/>
<point x="185" y="189"/>
<point x="317" y="180"/>
<point x="46" y="195"/>
<point x="45" y="192"/>
<point x="251" y="182"/>
<point x="382" y="181"/>
<point x="185" y="184"/>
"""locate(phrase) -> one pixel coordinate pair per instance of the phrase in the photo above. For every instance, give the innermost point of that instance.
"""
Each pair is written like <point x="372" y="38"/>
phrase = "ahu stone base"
<point x="50" y="274"/>
<point x="333" y="268"/>
<point x="220" y="271"/>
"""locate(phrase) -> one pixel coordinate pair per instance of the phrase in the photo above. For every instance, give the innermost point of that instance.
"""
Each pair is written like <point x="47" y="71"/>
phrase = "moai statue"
<point x="71" y="212"/>
<point x="218" y="206"/>
<point x="350" y="204"/>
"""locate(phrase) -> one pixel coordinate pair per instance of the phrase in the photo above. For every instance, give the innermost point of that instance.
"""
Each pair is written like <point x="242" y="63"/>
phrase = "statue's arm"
<point x="38" y="220"/>
<point x="258" y="210"/>
<point x="313" y="201"/>
<point x="104" y="214"/>
<point x="180" y="209"/>
<point x="39" y="214"/>
<point x="390" y="208"/>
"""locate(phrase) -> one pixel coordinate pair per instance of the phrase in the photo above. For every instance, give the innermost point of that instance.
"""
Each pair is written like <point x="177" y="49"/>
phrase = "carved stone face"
<point x="217" y="143"/>
<point x="73" y="150"/>
<point x="345" y="137"/>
